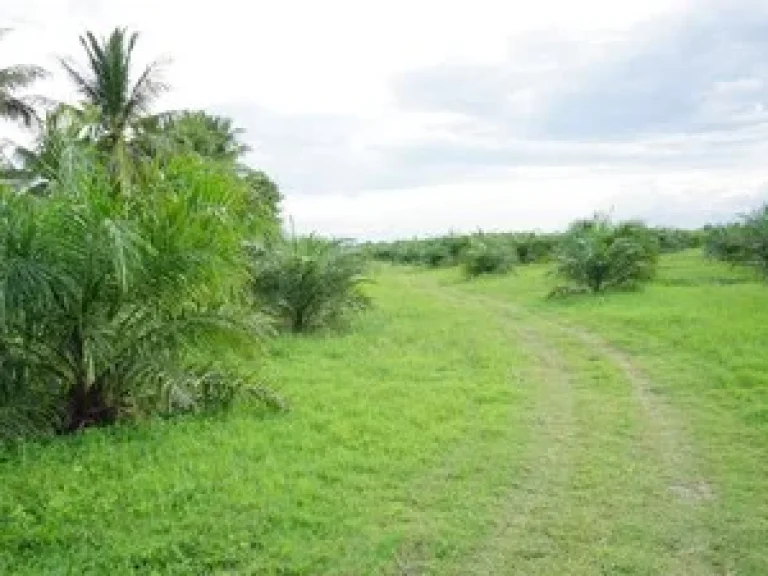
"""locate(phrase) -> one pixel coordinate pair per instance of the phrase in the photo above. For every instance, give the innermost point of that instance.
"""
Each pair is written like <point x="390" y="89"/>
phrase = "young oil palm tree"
<point x="14" y="78"/>
<point x="309" y="282"/>
<point x="597" y="255"/>
<point x="108" y="85"/>
<point x="113" y="306"/>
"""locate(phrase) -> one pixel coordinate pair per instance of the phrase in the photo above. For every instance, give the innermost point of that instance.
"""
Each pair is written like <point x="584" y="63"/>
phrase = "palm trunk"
<point x="89" y="406"/>
<point x="88" y="403"/>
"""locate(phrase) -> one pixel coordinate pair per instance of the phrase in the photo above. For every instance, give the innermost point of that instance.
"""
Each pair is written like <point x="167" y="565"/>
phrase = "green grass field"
<point x="457" y="428"/>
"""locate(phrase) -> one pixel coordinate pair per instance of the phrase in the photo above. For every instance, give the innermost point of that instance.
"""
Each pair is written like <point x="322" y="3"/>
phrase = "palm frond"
<point x="18" y="109"/>
<point x="13" y="78"/>
<point x="146" y="90"/>
<point x="82" y="83"/>
<point x="106" y="298"/>
<point x="20" y="76"/>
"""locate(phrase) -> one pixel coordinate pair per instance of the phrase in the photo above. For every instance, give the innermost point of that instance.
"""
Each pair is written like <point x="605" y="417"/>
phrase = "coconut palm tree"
<point x="12" y="79"/>
<point x="108" y="85"/>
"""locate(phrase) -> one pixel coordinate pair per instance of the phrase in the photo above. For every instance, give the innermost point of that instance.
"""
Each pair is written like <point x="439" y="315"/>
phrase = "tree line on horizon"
<point x="592" y="255"/>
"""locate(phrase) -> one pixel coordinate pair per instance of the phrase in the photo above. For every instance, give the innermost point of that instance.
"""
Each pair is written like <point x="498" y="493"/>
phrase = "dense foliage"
<point x="198" y="132"/>
<point x="308" y="282"/>
<point x="597" y="254"/>
<point x="103" y="298"/>
<point x="123" y="260"/>
<point x="744" y="242"/>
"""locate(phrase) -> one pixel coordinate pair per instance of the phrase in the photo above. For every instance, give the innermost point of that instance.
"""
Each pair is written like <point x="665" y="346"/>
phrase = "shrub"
<point x="486" y="256"/>
<point x="308" y="282"/>
<point x="757" y="239"/>
<point x="600" y="255"/>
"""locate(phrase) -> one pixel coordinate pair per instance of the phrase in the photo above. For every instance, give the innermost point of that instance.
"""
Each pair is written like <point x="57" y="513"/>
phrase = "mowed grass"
<point x="457" y="428"/>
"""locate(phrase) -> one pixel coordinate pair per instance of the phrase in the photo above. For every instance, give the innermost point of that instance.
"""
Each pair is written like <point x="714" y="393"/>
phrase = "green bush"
<point x="307" y="283"/>
<point x="599" y="255"/>
<point x="486" y="256"/>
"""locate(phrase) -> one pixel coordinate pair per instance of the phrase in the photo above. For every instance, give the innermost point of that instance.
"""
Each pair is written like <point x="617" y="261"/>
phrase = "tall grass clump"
<point x="308" y="282"/>
<point x="597" y="255"/>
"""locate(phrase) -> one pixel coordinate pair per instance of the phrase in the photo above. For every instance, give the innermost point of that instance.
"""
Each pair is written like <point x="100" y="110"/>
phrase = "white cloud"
<point x="401" y="117"/>
<point x="534" y="199"/>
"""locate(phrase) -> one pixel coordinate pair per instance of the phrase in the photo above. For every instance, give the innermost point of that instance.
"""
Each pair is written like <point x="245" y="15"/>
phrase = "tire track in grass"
<point x="548" y="466"/>
<point x="654" y="490"/>
<point x="546" y="524"/>
<point x="524" y="531"/>
<point x="663" y="423"/>
<point x="546" y="411"/>
<point x="664" y="434"/>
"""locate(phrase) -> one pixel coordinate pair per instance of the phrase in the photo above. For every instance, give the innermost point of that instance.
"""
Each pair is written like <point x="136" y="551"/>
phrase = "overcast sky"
<point x="393" y="118"/>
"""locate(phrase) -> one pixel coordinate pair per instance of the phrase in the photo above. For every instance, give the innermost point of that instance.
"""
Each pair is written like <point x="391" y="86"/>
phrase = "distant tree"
<point x="486" y="255"/>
